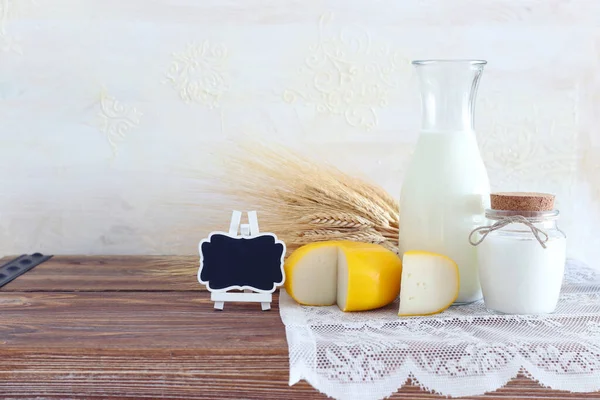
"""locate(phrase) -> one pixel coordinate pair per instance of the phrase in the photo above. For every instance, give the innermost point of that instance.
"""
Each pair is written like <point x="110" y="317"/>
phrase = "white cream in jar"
<point x="521" y="256"/>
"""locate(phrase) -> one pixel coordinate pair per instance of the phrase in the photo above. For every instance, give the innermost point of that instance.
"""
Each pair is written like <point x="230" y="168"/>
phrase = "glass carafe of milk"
<point x="446" y="188"/>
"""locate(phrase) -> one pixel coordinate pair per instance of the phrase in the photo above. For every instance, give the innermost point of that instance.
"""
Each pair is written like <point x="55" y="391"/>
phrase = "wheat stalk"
<point x="303" y="201"/>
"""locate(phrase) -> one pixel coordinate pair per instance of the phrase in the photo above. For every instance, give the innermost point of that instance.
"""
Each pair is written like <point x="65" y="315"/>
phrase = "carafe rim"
<point x="439" y="61"/>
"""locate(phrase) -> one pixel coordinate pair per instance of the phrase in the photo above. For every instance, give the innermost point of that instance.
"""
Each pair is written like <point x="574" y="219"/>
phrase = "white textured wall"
<point x="105" y="104"/>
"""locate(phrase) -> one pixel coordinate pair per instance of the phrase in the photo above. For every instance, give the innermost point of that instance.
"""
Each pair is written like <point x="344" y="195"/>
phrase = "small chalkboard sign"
<point x="250" y="261"/>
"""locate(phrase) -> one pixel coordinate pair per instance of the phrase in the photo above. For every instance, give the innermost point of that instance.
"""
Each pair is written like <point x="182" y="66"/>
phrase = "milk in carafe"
<point x="446" y="188"/>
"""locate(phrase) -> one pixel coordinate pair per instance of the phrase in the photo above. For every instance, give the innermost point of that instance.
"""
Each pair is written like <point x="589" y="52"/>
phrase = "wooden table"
<point x="142" y="327"/>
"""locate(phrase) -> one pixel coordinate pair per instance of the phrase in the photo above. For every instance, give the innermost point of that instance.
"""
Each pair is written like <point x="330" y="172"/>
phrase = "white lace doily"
<point x="463" y="351"/>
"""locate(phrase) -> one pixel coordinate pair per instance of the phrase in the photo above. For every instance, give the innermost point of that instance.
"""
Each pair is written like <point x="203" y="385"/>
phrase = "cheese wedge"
<point x="430" y="283"/>
<point x="311" y="274"/>
<point x="355" y="276"/>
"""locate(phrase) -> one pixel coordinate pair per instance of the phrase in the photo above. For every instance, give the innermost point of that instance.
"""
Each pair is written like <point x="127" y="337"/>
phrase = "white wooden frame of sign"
<point x="249" y="295"/>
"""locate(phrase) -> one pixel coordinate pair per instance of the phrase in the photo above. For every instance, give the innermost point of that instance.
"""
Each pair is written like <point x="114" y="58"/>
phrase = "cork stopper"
<point x="522" y="201"/>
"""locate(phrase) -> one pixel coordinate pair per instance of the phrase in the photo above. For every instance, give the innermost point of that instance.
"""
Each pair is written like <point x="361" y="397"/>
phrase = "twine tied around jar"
<point x="519" y="219"/>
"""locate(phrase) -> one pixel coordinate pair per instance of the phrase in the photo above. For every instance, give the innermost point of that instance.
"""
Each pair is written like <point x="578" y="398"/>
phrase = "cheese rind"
<point x="373" y="276"/>
<point x="430" y="283"/>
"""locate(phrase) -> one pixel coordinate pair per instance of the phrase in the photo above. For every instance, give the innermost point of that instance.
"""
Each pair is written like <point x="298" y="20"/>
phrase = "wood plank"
<point x="176" y="374"/>
<point x="109" y="273"/>
<point x="148" y="345"/>
<point x="136" y="320"/>
<point x="140" y="327"/>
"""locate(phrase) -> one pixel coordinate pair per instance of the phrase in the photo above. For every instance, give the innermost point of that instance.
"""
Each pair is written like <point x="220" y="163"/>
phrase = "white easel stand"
<point x="249" y="297"/>
<point x="247" y="230"/>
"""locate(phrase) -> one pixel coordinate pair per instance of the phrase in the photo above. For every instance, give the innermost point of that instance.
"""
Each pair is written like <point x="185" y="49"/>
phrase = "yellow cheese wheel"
<point x="355" y="276"/>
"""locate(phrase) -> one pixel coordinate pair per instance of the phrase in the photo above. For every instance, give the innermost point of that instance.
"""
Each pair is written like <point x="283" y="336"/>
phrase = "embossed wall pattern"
<point x="108" y="108"/>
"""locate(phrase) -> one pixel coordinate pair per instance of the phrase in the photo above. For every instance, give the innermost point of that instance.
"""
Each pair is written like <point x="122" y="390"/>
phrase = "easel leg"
<point x="265" y="305"/>
<point x="219" y="305"/>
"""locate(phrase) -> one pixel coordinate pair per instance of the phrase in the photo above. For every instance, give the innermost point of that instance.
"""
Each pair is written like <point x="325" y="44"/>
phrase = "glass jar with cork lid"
<point x="521" y="254"/>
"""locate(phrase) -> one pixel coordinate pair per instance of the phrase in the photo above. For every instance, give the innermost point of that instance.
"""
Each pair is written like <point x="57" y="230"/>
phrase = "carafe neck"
<point x="448" y="91"/>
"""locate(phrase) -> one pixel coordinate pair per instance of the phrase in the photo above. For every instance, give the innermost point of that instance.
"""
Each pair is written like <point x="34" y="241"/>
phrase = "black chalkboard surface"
<point x="236" y="262"/>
